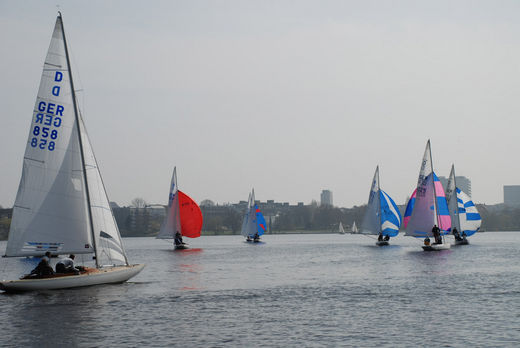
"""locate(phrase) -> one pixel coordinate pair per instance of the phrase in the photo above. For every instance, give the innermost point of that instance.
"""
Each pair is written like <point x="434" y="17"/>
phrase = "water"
<point x="292" y="291"/>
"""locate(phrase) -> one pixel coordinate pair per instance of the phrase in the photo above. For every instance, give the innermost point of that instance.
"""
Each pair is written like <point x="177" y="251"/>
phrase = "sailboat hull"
<point x="382" y="243"/>
<point x="436" y="247"/>
<point x="462" y="242"/>
<point x="108" y="275"/>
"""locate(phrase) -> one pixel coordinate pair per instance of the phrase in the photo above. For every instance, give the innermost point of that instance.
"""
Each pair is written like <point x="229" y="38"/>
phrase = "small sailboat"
<point x="465" y="218"/>
<point x="253" y="224"/>
<point x="341" y="230"/>
<point x="427" y="207"/>
<point x="354" y="228"/>
<point x="61" y="206"/>
<point x="183" y="216"/>
<point x="382" y="216"/>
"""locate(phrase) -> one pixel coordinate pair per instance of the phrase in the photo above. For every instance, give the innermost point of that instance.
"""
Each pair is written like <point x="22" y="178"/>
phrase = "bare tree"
<point x="138" y="203"/>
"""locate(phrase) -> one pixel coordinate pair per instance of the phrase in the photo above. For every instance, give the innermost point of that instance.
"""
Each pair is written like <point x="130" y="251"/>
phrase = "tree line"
<point x="144" y="221"/>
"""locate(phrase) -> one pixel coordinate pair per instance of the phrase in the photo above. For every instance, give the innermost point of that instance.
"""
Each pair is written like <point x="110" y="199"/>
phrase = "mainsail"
<point x="427" y="206"/>
<point x="50" y="211"/>
<point x="61" y="205"/>
<point x="382" y="214"/>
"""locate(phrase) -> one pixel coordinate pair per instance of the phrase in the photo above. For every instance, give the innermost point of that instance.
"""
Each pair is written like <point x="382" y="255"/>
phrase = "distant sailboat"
<point x="463" y="212"/>
<point x="382" y="216"/>
<point x="427" y="207"/>
<point x="253" y="224"/>
<point x="354" y="228"/>
<point x="61" y="206"/>
<point x="341" y="230"/>
<point x="183" y="217"/>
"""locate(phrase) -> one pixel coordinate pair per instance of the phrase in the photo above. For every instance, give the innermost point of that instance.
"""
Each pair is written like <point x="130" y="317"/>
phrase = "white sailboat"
<point x="463" y="212"/>
<point x="427" y="207"/>
<point x="341" y="230"/>
<point x="354" y="228"/>
<point x="382" y="217"/>
<point x="183" y="216"/>
<point x="61" y="205"/>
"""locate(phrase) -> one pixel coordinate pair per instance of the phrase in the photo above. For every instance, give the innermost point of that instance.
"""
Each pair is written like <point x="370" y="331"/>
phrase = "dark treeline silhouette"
<point x="227" y="219"/>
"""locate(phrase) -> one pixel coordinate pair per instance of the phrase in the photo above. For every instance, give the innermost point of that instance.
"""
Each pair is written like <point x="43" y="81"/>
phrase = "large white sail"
<point x="249" y="227"/>
<point x="108" y="240"/>
<point x="171" y="223"/>
<point x="424" y="214"/>
<point x="372" y="220"/>
<point x="50" y="211"/>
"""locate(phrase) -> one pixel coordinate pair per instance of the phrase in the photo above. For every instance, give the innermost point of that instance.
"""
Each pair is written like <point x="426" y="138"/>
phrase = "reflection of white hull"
<point x="436" y="247"/>
<point x="108" y="275"/>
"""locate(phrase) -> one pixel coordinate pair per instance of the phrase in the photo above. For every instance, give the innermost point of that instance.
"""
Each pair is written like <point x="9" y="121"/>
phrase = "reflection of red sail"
<point x="190" y="216"/>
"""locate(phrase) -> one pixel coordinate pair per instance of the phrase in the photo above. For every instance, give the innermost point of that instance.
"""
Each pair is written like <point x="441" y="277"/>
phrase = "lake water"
<point x="292" y="291"/>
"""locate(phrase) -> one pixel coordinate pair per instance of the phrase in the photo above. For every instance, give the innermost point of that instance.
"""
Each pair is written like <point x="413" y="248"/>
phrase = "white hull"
<point x="109" y="275"/>
<point x="436" y="247"/>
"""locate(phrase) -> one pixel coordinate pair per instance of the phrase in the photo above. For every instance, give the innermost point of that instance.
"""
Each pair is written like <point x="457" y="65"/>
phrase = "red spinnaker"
<point x="191" y="216"/>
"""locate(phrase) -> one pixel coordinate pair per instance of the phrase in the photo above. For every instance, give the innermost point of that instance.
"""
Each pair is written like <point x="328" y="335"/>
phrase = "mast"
<point x="379" y="200"/>
<point x="76" y="116"/>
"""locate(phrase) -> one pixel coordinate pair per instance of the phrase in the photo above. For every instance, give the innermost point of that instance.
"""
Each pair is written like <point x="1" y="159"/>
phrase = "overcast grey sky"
<point x="288" y="97"/>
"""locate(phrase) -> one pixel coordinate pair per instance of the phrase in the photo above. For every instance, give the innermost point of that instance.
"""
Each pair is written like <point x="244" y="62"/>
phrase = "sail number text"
<point x="48" y="120"/>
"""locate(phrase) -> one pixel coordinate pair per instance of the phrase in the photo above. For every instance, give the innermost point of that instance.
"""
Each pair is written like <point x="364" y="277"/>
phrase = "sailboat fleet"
<point x="62" y="207"/>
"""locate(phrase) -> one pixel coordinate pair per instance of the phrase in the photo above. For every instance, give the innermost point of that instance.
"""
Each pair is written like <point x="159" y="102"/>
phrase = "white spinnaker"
<point x="372" y="220"/>
<point x="424" y="215"/>
<point x="249" y="227"/>
<point x="451" y="197"/>
<point x="50" y="211"/>
<point x="171" y="223"/>
<point x="108" y="240"/>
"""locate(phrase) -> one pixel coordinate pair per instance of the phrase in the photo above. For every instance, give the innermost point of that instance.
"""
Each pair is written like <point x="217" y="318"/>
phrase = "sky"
<point x="288" y="97"/>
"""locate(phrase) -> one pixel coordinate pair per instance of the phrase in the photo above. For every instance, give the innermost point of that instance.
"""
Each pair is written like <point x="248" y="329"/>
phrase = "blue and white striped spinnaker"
<point x="463" y="212"/>
<point x="382" y="214"/>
